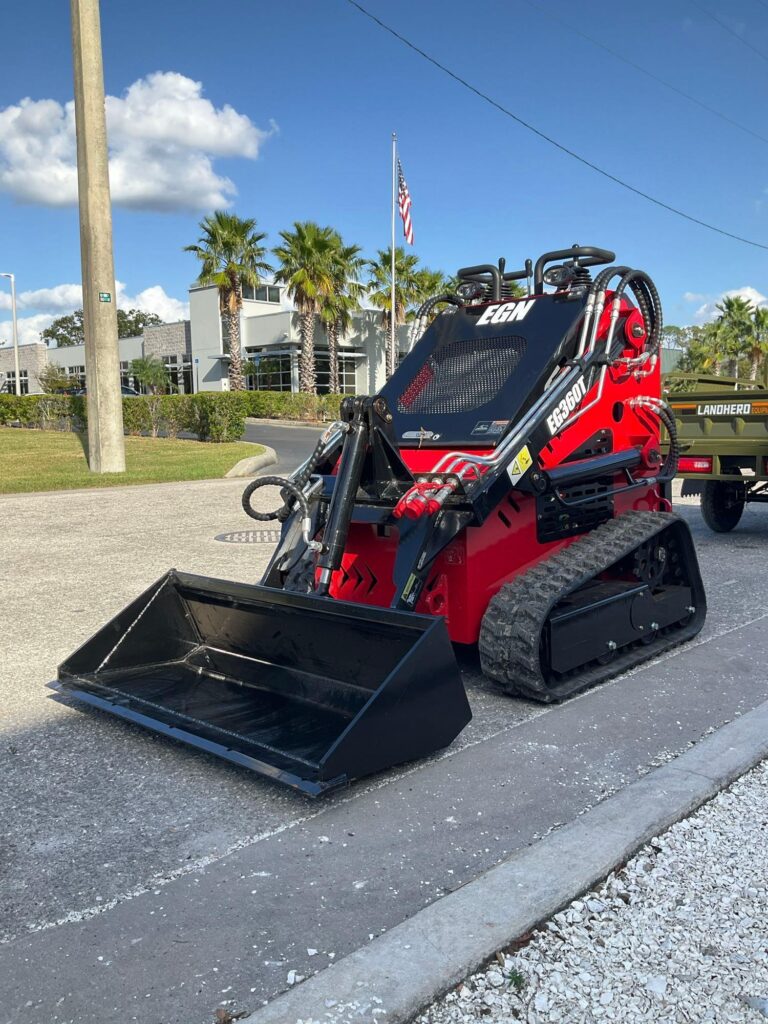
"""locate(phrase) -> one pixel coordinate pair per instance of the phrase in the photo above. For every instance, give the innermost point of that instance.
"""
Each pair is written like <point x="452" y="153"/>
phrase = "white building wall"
<point x="206" y="339"/>
<point x="74" y="355"/>
<point x="268" y="328"/>
<point x="32" y="359"/>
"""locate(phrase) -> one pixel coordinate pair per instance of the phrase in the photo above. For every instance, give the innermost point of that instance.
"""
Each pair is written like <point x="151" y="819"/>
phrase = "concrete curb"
<point x="403" y="971"/>
<point x="306" y="424"/>
<point x="251" y="465"/>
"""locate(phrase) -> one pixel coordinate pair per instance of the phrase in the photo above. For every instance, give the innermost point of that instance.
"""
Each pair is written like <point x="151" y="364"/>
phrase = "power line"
<point x="727" y="28"/>
<point x="547" y="138"/>
<point x="667" y="85"/>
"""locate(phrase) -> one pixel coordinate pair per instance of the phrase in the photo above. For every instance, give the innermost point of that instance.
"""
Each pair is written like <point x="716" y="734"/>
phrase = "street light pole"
<point x="15" y="331"/>
<point x="106" y="447"/>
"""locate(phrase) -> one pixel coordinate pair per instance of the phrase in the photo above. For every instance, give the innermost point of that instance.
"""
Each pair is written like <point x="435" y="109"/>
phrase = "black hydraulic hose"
<point x="648" y="302"/>
<point x="302" y="479"/>
<point x="288" y="489"/>
<point x="669" y="469"/>
<point x="429" y="304"/>
<point x="602" y="279"/>
<point x="654" y="340"/>
<point x="646" y="296"/>
<point x="600" y="283"/>
<point x="417" y="329"/>
<point x="632" y="278"/>
<point x="279" y="513"/>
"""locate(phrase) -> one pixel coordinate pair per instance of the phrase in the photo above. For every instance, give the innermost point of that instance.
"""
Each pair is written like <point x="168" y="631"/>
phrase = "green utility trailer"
<point x="722" y="425"/>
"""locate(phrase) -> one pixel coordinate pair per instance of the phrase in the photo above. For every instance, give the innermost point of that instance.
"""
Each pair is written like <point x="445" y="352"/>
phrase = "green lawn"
<point x="47" y="460"/>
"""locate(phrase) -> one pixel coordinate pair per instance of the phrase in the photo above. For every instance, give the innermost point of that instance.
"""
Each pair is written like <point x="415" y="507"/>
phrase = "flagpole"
<point x="391" y="358"/>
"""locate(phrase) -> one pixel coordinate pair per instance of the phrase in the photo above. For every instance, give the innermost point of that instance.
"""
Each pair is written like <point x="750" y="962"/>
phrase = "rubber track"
<point x="510" y="633"/>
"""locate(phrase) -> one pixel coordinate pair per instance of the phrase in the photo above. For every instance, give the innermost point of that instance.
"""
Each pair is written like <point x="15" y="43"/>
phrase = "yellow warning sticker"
<point x="520" y="465"/>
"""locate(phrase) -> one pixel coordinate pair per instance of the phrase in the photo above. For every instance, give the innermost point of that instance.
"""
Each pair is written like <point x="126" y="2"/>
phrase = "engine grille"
<point x="462" y="375"/>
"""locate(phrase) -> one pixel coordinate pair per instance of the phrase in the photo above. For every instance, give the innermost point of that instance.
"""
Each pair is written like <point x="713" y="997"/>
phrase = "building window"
<point x="77" y="373"/>
<point x="272" y="370"/>
<point x="264" y="293"/>
<point x="10" y="383"/>
<point x="180" y="373"/>
<point x="347" y="374"/>
<point x="126" y="380"/>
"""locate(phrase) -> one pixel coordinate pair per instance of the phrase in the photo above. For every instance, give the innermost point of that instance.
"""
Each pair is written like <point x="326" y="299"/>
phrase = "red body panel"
<point x="472" y="568"/>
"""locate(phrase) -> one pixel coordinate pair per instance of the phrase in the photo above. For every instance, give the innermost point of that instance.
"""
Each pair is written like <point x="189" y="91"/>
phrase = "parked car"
<point x="124" y="390"/>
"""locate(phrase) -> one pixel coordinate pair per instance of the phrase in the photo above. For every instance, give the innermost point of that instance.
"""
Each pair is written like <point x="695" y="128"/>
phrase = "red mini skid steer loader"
<point x="505" y="489"/>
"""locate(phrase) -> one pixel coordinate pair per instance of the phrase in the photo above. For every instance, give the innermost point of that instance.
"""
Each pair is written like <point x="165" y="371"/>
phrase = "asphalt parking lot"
<point x="293" y="442"/>
<point x="140" y="880"/>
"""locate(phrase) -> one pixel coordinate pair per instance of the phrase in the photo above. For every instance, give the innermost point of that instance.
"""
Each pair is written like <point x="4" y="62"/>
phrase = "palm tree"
<point x="150" y="373"/>
<point x="338" y="307"/>
<point x="407" y="290"/>
<point x="734" y="329"/>
<point x="431" y="283"/>
<point x="232" y="255"/>
<point x="758" y="341"/>
<point x="307" y="269"/>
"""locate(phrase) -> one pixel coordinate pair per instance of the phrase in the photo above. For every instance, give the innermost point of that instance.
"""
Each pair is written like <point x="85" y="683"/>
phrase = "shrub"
<point x="13" y="409"/>
<point x="135" y="415"/>
<point x="56" y="412"/>
<point x="284" y="405"/>
<point x="59" y="412"/>
<point x="176" y="413"/>
<point x="218" y="416"/>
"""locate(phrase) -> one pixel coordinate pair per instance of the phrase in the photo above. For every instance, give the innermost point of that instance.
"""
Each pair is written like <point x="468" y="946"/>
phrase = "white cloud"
<point x="63" y="298"/>
<point x="153" y="300"/>
<point x="708" y="310"/>
<point x="163" y="135"/>
<point x="29" y="328"/>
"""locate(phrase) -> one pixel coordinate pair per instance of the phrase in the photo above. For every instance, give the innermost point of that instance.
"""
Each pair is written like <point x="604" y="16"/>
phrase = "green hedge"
<point x="285" y="405"/>
<point x="211" y="415"/>
<point x="47" y="412"/>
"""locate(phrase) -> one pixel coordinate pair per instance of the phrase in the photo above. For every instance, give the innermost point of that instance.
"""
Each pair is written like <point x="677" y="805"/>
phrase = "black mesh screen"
<point x="462" y="375"/>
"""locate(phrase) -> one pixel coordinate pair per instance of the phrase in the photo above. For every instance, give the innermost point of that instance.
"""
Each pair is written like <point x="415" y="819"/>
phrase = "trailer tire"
<point x="722" y="504"/>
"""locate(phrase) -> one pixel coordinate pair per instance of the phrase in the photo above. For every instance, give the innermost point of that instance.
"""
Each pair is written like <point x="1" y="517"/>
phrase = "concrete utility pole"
<point x="106" y="448"/>
<point x="15" y="331"/>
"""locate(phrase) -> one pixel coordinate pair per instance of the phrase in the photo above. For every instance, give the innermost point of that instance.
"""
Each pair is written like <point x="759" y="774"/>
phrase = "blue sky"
<point x="293" y="115"/>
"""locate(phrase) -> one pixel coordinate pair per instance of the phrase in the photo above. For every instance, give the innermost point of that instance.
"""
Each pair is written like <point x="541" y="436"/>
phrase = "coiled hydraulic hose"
<point x="286" y="486"/>
<point x="289" y="488"/>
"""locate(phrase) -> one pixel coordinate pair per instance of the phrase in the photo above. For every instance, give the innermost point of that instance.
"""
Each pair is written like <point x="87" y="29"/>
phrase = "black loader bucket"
<point x="306" y="690"/>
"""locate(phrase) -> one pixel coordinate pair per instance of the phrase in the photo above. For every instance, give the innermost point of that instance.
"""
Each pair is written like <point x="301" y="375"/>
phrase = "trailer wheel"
<point x="722" y="504"/>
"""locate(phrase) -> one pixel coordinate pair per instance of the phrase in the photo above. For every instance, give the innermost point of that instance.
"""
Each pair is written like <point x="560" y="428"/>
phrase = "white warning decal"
<point x="520" y="465"/>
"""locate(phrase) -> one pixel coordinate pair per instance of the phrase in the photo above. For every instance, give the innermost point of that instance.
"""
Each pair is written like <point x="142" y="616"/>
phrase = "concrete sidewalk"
<point x="155" y="883"/>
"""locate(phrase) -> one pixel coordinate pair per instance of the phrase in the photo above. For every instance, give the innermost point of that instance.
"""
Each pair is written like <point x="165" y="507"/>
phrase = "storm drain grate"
<point x="249" y="537"/>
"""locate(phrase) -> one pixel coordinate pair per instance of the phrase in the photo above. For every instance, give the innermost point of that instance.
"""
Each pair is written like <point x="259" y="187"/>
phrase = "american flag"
<point x="404" y="202"/>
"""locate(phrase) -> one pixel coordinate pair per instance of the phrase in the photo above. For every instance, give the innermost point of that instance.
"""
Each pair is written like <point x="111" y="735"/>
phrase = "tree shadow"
<point x="82" y="437"/>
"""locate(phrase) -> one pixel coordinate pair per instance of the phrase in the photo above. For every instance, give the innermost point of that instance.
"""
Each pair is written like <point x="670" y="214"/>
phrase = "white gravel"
<point x="679" y="934"/>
